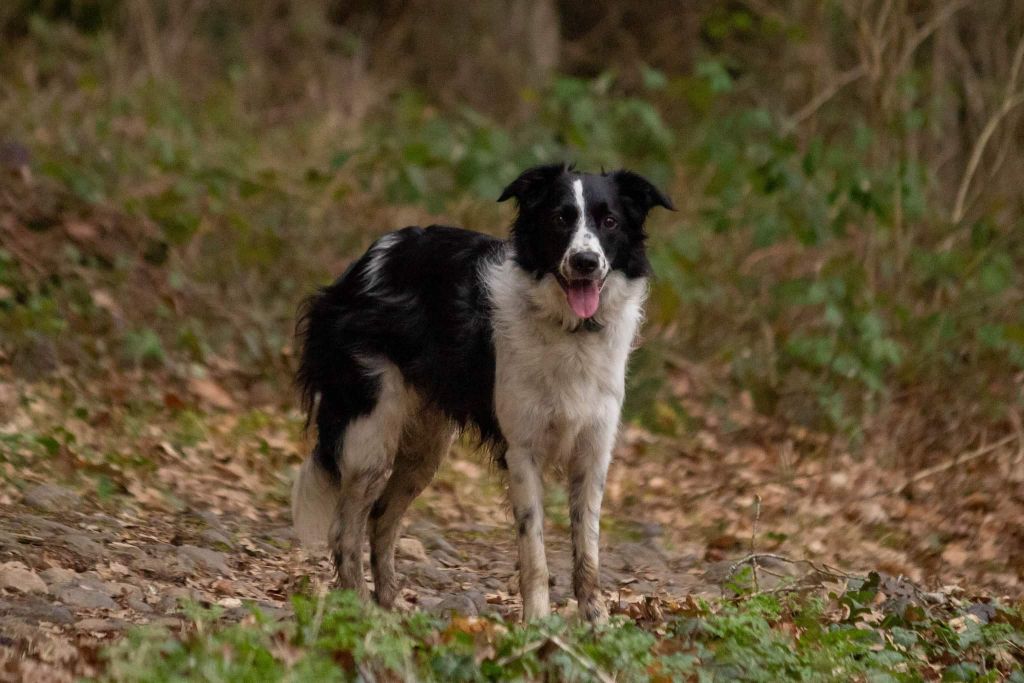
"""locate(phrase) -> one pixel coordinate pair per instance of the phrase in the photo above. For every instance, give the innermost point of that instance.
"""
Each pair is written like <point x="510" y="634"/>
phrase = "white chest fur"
<point x="553" y="379"/>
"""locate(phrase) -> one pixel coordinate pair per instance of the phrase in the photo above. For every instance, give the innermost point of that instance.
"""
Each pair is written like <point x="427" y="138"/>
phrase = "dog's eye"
<point x="610" y="222"/>
<point x="559" y="220"/>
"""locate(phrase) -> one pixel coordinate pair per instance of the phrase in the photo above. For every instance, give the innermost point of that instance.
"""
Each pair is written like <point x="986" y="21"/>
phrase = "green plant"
<point x="757" y="638"/>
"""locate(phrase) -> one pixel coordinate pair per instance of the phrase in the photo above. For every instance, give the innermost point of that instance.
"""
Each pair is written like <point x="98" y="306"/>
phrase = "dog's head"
<point x="581" y="227"/>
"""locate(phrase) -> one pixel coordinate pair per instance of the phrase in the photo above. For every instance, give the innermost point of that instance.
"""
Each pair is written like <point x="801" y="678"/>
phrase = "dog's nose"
<point x="585" y="262"/>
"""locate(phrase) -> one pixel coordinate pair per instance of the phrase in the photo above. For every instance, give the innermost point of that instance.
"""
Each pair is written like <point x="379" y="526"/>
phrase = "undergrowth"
<point x="814" y="264"/>
<point x="756" y="638"/>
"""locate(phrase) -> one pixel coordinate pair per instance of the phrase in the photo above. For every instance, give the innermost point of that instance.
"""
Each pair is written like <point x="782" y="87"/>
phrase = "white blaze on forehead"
<point x="581" y="206"/>
<point x="377" y="254"/>
<point x="583" y="239"/>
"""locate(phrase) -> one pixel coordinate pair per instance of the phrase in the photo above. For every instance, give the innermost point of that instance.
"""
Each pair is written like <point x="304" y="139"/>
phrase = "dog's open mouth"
<point x="583" y="295"/>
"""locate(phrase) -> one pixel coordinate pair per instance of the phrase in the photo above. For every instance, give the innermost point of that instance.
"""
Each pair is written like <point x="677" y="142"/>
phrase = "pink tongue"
<point x="583" y="297"/>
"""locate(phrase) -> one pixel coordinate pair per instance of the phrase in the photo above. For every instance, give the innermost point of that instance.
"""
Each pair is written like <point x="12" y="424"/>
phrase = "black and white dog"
<point x="526" y="340"/>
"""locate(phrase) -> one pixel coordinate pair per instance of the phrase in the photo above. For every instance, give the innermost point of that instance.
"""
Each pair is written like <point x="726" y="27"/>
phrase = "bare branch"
<point x="830" y="91"/>
<point x="1011" y="101"/>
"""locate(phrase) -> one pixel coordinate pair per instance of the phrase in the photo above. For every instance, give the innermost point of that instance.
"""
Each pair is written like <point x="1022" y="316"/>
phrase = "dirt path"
<point x="117" y="511"/>
<point x="78" y="574"/>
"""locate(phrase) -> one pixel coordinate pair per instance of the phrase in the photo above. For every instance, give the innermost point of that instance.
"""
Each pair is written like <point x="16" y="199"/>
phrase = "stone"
<point x="212" y="519"/>
<point x="51" y="498"/>
<point x="36" y="610"/>
<point x="167" y="567"/>
<point x="175" y="595"/>
<point x="479" y="601"/>
<point x="411" y="549"/>
<point x="125" y="551"/>
<point x="447" y="560"/>
<point x="41" y="526"/>
<point x="425" y="575"/>
<point x="210" y="560"/>
<point x="435" y="541"/>
<point x="455" y="605"/>
<point x="93" y="582"/>
<point x="58" y="576"/>
<point x="273" y="611"/>
<point x="17" y="577"/>
<point x="282" y="536"/>
<point x="122" y="589"/>
<point x="8" y="541"/>
<point x="84" y="546"/>
<point x="139" y="605"/>
<point x="84" y="598"/>
<point x="428" y="602"/>
<point x="216" y="538"/>
<point x="101" y="625"/>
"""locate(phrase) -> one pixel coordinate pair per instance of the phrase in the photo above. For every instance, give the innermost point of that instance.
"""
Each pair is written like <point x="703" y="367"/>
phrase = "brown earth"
<point x="204" y="518"/>
<point x="128" y="489"/>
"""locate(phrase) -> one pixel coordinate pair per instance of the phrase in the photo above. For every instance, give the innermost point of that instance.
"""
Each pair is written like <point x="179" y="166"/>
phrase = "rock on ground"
<point x="17" y="577"/>
<point x="50" y="498"/>
<point x="210" y="560"/>
<point x="411" y="549"/>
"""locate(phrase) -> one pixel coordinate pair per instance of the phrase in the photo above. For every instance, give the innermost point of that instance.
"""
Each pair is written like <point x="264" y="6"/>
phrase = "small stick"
<point x="521" y="652"/>
<point x="318" y="616"/>
<point x="820" y="567"/>
<point x="581" y="660"/>
<point x="753" y="541"/>
<point x="761" y="556"/>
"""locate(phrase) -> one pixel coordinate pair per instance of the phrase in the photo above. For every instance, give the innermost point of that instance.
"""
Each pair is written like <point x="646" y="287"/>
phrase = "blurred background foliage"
<point x="846" y="258"/>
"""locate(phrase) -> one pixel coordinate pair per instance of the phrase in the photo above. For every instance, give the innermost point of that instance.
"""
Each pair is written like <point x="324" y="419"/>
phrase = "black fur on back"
<point x="424" y="308"/>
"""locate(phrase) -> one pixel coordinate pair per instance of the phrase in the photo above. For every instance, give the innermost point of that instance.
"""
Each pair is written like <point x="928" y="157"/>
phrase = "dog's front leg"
<point x="526" y="491"/>
<point x="588" y="468"/>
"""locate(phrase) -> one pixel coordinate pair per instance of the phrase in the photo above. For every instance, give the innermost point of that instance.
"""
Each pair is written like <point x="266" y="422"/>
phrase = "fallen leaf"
<point x="212" y="393"/>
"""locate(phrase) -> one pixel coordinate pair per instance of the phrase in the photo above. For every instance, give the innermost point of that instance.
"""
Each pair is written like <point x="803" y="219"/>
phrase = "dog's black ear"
<point x="640" y="192"/>
<point x="532" y="183"/>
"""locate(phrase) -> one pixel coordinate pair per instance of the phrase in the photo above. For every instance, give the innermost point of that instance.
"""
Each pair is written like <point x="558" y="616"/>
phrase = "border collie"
<point x="437" y="329"/>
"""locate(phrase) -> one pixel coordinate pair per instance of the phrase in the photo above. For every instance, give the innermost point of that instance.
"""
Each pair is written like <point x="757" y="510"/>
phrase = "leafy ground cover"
<point x="857" y="633"/>
<point x="830" y="377"/>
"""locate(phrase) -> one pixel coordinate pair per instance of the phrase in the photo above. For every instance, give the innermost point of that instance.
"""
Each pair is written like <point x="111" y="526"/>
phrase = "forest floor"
<point x="195" y="511"/>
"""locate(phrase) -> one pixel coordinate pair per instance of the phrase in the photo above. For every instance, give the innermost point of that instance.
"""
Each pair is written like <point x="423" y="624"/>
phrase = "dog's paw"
<point x="402" y="604"/>
<point x="594" y="610"/>
<point x="386" y="596"/>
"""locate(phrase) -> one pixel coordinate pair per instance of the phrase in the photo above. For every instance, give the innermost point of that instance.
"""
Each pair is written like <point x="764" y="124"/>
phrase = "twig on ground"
<point x="581" y="660"/>
<point x="785" y="479"/>
<point x="817" y="567"/>
<point x="318" y="616"/>
<point x="950" y="464"/>
<point x="760" y="556"/>
<point x="753" y="541"/>
<point x="521" y="652"/>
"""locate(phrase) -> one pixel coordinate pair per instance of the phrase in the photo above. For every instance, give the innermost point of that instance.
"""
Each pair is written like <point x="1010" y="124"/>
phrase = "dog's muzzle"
<point x="582" y="278"/>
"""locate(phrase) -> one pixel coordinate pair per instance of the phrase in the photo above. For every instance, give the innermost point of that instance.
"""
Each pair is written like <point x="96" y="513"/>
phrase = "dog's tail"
<point x="315" y="497"/>
<point x="317" y="487"/>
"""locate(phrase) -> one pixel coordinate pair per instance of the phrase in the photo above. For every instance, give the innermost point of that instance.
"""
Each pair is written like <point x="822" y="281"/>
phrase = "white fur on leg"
<point x="314" y="504"/>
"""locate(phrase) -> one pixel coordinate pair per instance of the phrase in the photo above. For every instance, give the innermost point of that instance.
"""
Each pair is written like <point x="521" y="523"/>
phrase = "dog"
<point x="523" y="340"/>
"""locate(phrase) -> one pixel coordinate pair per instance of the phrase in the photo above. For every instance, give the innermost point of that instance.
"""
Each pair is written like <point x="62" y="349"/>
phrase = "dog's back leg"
<point x="424" y="444"/>
<point x="368" y="450"/>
